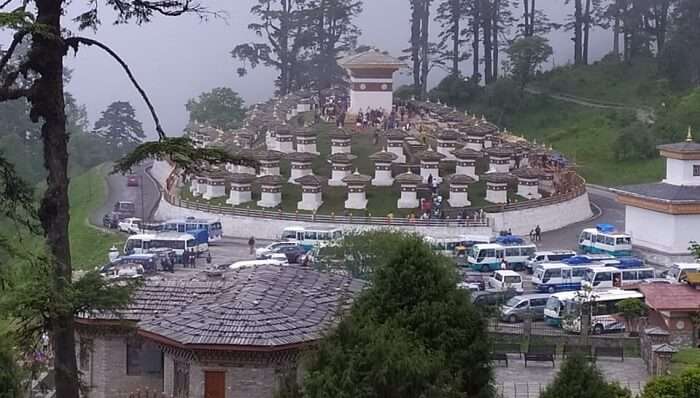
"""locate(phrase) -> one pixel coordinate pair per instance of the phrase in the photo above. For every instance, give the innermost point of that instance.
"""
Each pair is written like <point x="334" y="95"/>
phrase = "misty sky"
<point x="178" y="58"/>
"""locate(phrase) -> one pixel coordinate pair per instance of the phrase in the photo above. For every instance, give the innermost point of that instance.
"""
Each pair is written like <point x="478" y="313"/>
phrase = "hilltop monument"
<point x="371" y="80"/>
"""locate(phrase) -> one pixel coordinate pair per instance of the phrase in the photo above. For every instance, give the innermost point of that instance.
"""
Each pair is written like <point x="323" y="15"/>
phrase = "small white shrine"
<point x="497" y="187"/>
<point x="270" y="191"/>
<point x="459" y="190"/>
<point x="382" y="168"/>
<point x="409" y="190"/>
<point x="357" y="188"/>
<point x="240" y="189"/>
<point x="371" y="80"/>
<point x="311" y="193"/>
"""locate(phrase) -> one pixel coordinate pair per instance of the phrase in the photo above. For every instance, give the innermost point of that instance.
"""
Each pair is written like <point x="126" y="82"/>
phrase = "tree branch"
<point x="7" y="94"/>
<point x="74" y="42"/>
<point x="11" y="49"/>
<point x="5" y="3"/>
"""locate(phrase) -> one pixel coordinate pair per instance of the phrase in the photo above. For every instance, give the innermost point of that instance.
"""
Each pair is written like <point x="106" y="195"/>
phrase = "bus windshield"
<point x="170" y="244"/>
<point x="554" y="304"/>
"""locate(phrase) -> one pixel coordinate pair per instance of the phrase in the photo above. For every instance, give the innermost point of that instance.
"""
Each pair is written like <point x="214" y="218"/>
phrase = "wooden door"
<point x="214" y="384"/>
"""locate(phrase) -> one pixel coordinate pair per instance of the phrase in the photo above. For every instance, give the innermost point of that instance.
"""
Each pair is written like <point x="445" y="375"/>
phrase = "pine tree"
<point x="119" y="127"/>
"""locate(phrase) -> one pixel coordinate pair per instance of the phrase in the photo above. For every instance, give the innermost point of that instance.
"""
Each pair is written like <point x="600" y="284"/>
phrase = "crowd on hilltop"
<point x="335" y="108"/>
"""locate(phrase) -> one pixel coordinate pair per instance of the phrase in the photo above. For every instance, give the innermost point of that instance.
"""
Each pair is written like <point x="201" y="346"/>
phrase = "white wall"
<point x="370" y="99"/>
<point x="549" y="218"/>
<point x="662" y="232"/>
<point x="680" y="172"/>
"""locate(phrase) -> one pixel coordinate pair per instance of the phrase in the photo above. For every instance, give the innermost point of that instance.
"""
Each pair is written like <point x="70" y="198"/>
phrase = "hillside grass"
<point x="89" y="244"/>
<point x="586" y="136"/>
<point x="684" y="359"/>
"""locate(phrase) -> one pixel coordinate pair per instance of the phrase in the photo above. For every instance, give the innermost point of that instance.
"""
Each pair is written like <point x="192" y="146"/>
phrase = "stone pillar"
<point x="459" y="196"/>
<point x="270" y="191"/>
<point x="447" y="143"/>
<point x="198" y="185"/>
<point x="285" y="141"/>
<point x="496" y="192"/>
<point x="409" y="184"/>
<point x="269" y="167"/>
<point x="475" y="142"/>
<point x="215" y="187"/>
<point x="341" y="167"/>
<point x="311" y="193"/>
<point x="271" y="140"/>
<point x="306" y="140"/>
<point x="240" y="189"/>
<point x="661" y="358"/>
<point x="300" y="165"/>
<point x="428" y="168"/>
<point x="357" y="198"/>
<point x="499" y="162"/>
<point x="341" y="142"/>
<point x="394" y="144"/>
<point x="466" y="162"/>
<point x="547" y="182"/>
<point x="528" y="187"/>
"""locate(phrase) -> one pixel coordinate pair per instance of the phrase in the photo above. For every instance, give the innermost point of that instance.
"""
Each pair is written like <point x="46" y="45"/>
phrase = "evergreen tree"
<point x="221" y="108"/>
<point x="579" y="378"/>
<point x="451" y="15"/>
<point x="412" y="333"/>
<point x="119" y="127"/>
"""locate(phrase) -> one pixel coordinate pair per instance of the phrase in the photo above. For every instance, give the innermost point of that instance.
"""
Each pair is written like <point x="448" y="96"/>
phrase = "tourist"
<point x="538" y="233"/>
<point x="532" y="235"/>
<point x="251" y="244"/>
<point x="504" y="264"/>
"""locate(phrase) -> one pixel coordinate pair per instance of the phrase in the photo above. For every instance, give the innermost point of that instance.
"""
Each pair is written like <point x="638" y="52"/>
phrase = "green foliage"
<point x="631" y="308"/>
<point x="684" y="385"/>
<point x="221" y="108"/>
<point x="119" y="127"/>
<point x="10" y="373"/>
<point x="579" y="378"/>
<point x="680" y="59"/>
<point x="635" y="142"/>
<point x="412" y="333"/>
<point x="675" y="116"/>
<point x="504" y="96"/>
<point x="526" y="55"/>
<point x="455" y="90"/>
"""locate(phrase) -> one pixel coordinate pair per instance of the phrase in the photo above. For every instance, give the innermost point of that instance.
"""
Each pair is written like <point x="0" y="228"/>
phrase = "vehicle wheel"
<point x="512" y="319"/>
<point x="485" y="268"/>
<point x="598" y="329"/>
<point x="551" y="289"/>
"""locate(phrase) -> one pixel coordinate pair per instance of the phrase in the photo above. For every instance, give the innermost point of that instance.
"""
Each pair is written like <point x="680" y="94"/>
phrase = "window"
<point x="538" y="302"/>
<point x="337" y="234"/>
<point x="522" y="305"/>
<point x="84" y="354"/>
<point x="566" y="273"/>
<point x="696" y="170"/>
<point x="551" y="273"/>
<point x="609" y="241"/>
<point x="578" y="272"/>
<point x="498" y="277"/>
<point x="603" y="277"/>
<point x="512" y="251"/>
<point x="513" y="279"/>
<point x="629" y="275"/>
<point x="324" y="236"/>
<point x="133" y="356"/>
<point x="527" y="251"/>
<point x="142" y="357"/>
<point x="646" y="274"/>
<point x="310" y="236"/>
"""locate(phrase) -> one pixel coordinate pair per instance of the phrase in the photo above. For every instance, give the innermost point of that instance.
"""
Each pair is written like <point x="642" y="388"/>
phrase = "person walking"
<point x="251" y="244"/>
<point x="538" y="233"/>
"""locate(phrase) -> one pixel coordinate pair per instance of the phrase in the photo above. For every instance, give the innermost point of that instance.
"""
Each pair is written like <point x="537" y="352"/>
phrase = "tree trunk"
<point x="456" y="16"/>
<point x="532" y="18"/>
<point x="662" y="26"/>
<point x="578" y="39"/>
<point x="488" y="47"/>
<point x="425" y="44"/>
<point x="616" y="33"/>
<point x="586" y="32"/>
<point x="526" y="18"/>
<point x="495" y="28"/>
<point x="46" y="58"/>
<point x="415" y="44"/>
<point x="475" y="39"/>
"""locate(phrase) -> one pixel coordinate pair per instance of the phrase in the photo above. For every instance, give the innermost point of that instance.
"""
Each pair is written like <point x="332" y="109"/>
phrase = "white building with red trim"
<point x="371" y="80"/>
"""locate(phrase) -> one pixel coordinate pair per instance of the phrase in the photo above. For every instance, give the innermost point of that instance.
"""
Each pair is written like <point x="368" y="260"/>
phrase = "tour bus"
<point x="554" y="277"/>
<point x="604" y="239"/>
<point x="142" y="243"/>
<point x="312" y="236"/>
<point x="457" y="245"/>
<point x="606" y="277"/>
<point x="564" y="309"/>
<point x="488" y="257"/>
<point x="679" y="271"/>
<point x="190" y="224"/>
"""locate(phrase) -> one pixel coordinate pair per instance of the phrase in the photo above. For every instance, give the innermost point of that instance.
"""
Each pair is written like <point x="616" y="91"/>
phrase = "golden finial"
<point x="689" y="138"/>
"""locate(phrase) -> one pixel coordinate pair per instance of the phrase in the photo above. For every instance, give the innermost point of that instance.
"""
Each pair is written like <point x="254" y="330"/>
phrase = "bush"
<point x="635" y="142"/>
<point x="685" y="385"/>
<point x="579" y="378"/>
<point x="456" y="91"/>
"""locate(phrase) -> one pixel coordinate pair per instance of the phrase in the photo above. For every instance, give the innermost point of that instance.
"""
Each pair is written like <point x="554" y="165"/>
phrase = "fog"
<point x="177" y="58"/>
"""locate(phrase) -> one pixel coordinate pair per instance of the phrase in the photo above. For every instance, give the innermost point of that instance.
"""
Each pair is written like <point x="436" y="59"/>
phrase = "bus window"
<point x="623" y="241"/>
<point x="191" y="243"/>
<point x="512" y="251"/>
<point x="578" y="271"/>
<point x="324" y="236"/>
<point x="603" y="277"/>
<point x="610" y="241"/>
<point x="337" y="234"/>
<point x="646" y="274"/>
<point x="550" y="273"/>
<point x="486" y="253"/>
<point x="289" y="234"/>
<point x="132" y="244"/>
<point x="566" y="273"/>
<point x="310" y="235"/>
<point x="181" y="228"/>
<point x="629" y="275"/>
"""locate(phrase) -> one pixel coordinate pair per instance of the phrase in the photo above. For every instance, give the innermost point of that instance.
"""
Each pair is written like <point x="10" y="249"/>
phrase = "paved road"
<point x="117" y="190"/>
<point x="608" y="211"/>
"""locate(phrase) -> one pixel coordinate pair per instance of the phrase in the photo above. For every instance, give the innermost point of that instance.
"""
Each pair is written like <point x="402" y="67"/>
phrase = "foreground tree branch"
<point x="16" y="39"/>
<point x="74" y="42"/>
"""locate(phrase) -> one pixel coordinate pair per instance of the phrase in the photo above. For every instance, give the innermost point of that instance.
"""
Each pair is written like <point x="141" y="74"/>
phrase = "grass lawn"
<point x="89" y="245"/>
<point x="586" y="136"/>
<point x="684" y="359"/>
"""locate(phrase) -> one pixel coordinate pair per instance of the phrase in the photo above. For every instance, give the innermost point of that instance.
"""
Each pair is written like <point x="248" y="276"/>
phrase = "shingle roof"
<point x="302" y="157"/>
<point x="370" y="58"/>
<point x="310" y="180"/>
<point x="498" y="177"/>
<point x="671" y="297"/>
<point x="461" y="179"/>
<point x="264" y="306"/>
<point x="242" y="178"/>
<point x="430" y="156"/>
<point x="408" y="178"/>
<point x="467" y="153"/>
<point x="383" y="156"/>
<point x="271" y="180"/>
<point x="357" y="179"/>
<point x="662" y="191"/>
<point x="342" y="157"/>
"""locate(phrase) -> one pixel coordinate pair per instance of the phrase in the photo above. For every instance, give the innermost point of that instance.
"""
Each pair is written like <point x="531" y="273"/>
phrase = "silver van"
<point x="520" y="307"/>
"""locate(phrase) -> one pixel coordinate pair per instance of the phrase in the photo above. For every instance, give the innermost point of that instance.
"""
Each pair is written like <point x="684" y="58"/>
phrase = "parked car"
<point x="551" y="256"/>
<point x="124" y="209"/>
<point x="132" y="181"/>
<point x="110" y="221"/>
<point x="492" y="297"/>
<point x="262" y="252"/>
<point x="506" y="279"/>
<point x="294" y="253"/>
<point x="130" y="225"/>
<point x="521" y="307"/>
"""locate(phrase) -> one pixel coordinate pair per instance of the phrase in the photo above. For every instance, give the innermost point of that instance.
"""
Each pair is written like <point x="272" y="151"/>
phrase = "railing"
<point x="478" y="220"/>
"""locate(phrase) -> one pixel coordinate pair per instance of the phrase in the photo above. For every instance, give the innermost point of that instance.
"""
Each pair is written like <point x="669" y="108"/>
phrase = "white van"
<point x="679" y="271"/>
<point x="130" y="225"/>
<point x="602" y="277"/>
<point x="506" y="279"/>
<point x="552" y="256"/>
<point x="255" y="263"/>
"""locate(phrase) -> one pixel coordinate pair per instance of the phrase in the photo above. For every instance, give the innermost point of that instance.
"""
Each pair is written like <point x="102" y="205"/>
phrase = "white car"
<point x="264" y="252"/>
<point x="130" y="225"/>
<point x="506" y="279"/>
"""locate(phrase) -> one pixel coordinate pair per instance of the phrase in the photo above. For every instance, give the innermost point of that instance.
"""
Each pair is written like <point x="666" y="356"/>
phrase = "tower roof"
<point x="370" y="59"/>
<point x="686" y="150"/>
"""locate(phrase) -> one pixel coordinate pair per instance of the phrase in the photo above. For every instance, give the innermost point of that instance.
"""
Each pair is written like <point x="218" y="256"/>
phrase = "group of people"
<point x="536" y="234"/>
